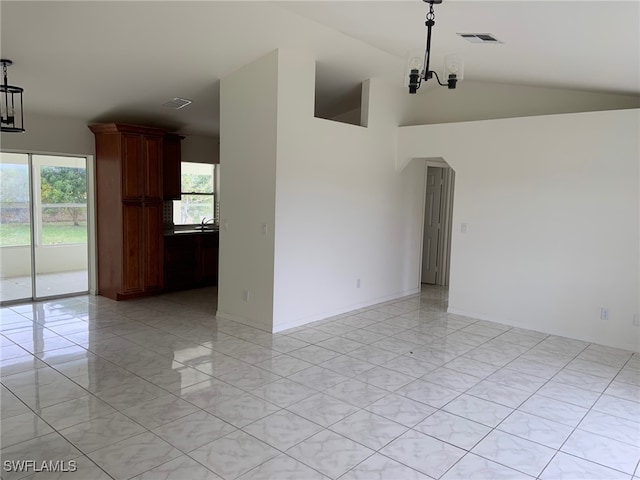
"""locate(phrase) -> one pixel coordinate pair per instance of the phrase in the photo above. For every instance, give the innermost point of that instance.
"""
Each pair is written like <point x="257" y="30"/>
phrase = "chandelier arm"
<point x="438" y="79"/>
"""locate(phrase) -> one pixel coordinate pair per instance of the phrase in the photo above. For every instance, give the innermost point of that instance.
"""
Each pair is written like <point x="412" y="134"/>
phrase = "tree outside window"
<point x="64" y="193"/>
<point x="198" y="194"/>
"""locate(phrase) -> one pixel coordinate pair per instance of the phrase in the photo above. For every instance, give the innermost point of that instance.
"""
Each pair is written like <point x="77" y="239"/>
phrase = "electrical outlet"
<point x="358" y="283"/>
<point x="463" y="228"/>
<point x="245" y="295"/>
<point x="604" y="313"/>
<point x="636" y="319"/>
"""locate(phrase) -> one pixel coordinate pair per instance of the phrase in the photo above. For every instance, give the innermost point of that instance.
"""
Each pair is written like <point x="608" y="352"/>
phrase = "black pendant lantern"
<point x="11" y="119"/>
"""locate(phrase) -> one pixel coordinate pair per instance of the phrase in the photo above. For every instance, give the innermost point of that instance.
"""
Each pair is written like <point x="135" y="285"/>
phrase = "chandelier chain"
<point x="431" y="15"/>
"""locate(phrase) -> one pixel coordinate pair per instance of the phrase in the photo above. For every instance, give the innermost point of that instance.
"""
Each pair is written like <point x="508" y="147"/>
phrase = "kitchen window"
<point x="198" y="194"/>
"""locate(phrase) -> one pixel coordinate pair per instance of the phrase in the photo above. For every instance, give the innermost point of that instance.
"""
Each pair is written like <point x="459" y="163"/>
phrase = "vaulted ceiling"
<point x="121" y="60"/>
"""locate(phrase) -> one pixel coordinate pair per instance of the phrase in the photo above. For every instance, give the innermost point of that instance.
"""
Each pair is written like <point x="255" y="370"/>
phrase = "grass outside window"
<point x="61" y="233"/>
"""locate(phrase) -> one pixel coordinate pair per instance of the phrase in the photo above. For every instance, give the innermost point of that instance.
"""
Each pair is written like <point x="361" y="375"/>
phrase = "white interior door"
<point x="432" y="224"/>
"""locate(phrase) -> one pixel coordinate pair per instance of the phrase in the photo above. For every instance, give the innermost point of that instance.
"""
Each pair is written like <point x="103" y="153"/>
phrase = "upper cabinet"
<point x="171" y="166"/>
<point x="130" y="160"/>
<point x="152" y="152"/>
<point x="141" y="166"/>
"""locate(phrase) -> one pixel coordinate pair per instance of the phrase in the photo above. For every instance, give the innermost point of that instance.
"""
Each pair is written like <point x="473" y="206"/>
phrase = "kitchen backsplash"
<point x="167" y="213"/>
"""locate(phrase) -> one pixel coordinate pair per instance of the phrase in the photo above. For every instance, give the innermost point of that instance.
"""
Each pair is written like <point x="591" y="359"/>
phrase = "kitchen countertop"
<point x="190" y="231"/>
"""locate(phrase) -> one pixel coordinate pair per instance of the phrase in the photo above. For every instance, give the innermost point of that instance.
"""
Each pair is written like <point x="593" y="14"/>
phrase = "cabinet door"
<point x="181" y="262"/>
<point x="152" y="146"/>
<point x="132" y="239"/>
<point x="171" y="158"/>
<point x="152" y="218"/>
<point x="209" y="259"/>
<point x="132" y="162"/>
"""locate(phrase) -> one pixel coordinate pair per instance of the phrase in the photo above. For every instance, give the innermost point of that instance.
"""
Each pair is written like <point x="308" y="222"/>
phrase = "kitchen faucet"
<point x="204" y="224"/>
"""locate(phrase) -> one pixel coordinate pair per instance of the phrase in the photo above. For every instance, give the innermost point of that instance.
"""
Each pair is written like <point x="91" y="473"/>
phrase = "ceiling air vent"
<point x="480" y="38"/>
<point x="177" y="103"/>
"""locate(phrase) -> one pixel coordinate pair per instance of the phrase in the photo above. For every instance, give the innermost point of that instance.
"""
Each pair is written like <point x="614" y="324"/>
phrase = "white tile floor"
<point x="159" y="389"/>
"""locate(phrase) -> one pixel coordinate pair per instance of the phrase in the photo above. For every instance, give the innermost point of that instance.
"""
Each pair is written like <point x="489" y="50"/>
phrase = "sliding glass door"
<point x="15" y="228"/>
<point x="43" y="226"/>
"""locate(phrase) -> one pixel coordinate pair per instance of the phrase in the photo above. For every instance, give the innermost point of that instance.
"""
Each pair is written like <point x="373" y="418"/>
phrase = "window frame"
<point x="213" y="193"/>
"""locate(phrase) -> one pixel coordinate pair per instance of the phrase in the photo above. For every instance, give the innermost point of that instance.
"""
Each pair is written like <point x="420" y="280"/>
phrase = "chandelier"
<point x="419" y="68"/>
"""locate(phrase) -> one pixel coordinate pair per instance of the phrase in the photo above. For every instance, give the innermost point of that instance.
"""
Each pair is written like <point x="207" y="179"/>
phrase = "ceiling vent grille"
<point x="480" y="38"/>
<point x="177" y="103"/>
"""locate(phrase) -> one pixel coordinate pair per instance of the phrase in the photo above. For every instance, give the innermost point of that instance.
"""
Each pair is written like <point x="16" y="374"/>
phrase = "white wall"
<point x="16" y="261"/>
<point x="552" y="209"/>
<point x="484" y="101"/>
<point x="200" y="149"/>
<point x="51" y="134"/>
<point x="352" y="117"/>
<point x="343" y="212"/>
<point x="248" y="118"/>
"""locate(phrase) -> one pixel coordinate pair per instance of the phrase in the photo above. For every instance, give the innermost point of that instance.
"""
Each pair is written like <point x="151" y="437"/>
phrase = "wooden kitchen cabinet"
<point x="190" y="260"/>
<point x="180" y="262"/>
<point x="152" y="235"/>
<point x="132" y="260"/>
<point x="141" y="167"/>
<point x="129" y="210"/>
<point x="172" y="157"/>
<point x="209" y="259"/>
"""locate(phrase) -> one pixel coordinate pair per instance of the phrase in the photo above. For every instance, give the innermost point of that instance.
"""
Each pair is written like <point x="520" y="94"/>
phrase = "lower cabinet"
<point x="190" y="261"/>
<point x="209" y="258"/>
<point x="141" y="250"/>
<point x="152" y="230"/>
<point x="133" y="259"/>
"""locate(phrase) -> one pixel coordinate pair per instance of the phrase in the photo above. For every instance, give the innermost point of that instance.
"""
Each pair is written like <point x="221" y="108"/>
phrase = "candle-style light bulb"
<point x="415" y="64"/>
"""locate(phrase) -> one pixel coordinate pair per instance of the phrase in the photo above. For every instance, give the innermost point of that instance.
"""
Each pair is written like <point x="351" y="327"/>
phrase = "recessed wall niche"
<point x="338" y="100"/>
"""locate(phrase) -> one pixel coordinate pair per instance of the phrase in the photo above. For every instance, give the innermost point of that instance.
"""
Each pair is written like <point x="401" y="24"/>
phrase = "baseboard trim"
<point x="316" y="317"/>
<point x="341" y="311"/>
<point x="556" y="332"/>
<point x="245" y="321"/>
